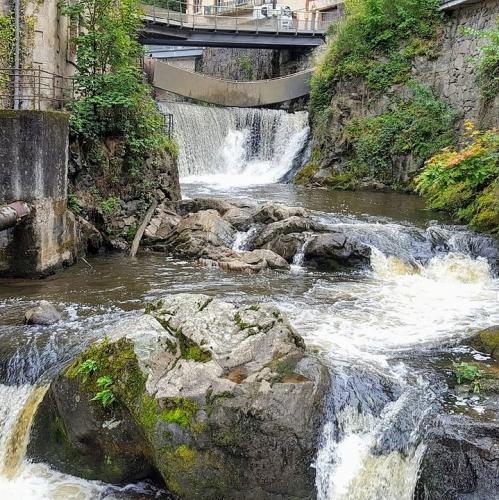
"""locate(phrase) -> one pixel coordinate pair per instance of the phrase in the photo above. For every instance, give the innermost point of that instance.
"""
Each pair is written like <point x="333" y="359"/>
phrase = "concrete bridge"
<point x="204" y="88"/>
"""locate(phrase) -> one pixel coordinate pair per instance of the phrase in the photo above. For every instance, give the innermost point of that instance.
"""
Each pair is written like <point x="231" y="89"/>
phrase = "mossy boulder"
<point x="221" y="401"/>
<point x="487" y="341"/>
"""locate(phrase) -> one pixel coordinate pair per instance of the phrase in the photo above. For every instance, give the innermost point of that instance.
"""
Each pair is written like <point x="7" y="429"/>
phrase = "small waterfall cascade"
<point x="19" y="405"/>
<point x="377" y="414"/>
<point x="243" y="239"/>
<point x="299" y="257"/>
<point x="237" y="146"/>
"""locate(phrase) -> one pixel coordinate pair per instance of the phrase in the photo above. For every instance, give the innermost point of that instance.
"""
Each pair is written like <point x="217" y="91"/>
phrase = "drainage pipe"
<point x="12" y="213"/>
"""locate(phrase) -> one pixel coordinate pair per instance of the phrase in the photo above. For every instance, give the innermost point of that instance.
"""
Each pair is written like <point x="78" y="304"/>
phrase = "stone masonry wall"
<point x="453" y="74"/>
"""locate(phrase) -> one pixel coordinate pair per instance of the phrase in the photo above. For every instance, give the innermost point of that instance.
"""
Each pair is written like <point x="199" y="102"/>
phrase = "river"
<point x="429" y="284"/>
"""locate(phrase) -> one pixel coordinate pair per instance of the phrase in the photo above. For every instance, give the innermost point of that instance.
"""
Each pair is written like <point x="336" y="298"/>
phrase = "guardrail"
<point x="181" y="14"/>
<point x="34" y="88"/>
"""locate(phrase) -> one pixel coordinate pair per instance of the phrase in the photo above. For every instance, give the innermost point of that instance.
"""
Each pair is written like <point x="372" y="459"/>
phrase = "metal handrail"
<point x="34" y="88"/>
<point x="303" y="21"/>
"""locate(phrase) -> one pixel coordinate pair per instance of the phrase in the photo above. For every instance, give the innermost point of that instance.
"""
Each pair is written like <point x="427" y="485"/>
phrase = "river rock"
<point x="43" y="314"/>
<point x="287" y="245"/>
<point x="461" y="460"/>
<point x="162" y="223"/>
<point x="222" y="401"/>
<point x="193" y="205"/>
<point x="254" y="261"/>
<point x="487" y="341"/>
<point x="89" y="237"/>
<point x="197" y="233"/>
<point x="274" y="212"/>
<point x="293" y="224"/>
<point x="242" y="218"/>
<point x="335" y="250"/>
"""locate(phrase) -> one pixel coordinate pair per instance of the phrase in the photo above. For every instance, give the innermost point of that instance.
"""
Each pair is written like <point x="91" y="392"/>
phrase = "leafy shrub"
<point x="419" y="126"/>
<point x="74" y="204"/>
<point x="468" y="373"/>
<point x="86" y="368"/>
<point x="110" y="205"/>
<point x="113" y="101"/>
<point x="105" y="396"/>
<point x="376" y="43"/>
<point x="466" y="182"/>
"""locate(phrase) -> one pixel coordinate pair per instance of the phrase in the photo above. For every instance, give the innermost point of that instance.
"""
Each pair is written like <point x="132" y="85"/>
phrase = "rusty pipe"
<point x="12" y="213"/>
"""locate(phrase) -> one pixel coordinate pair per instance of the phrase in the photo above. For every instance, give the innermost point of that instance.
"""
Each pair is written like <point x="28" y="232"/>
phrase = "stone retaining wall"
<point x="453" y="74"/>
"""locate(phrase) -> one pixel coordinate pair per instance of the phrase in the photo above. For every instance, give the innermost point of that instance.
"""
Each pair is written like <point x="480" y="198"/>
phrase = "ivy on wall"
<point x="488" y="61"/>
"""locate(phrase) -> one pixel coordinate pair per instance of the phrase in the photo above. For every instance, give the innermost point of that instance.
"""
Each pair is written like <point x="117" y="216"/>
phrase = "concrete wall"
<point x="33" y="159"/>
<point x="50" y="49"/>
<point x="33" y="155"/>
<point x="230" y="93"/>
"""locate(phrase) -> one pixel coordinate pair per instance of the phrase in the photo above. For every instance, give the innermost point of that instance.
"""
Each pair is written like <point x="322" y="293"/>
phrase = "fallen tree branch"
<point x="142" y="228"/>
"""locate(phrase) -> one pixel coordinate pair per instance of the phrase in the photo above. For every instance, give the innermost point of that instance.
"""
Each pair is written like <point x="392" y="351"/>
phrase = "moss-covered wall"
<point x="33" y="155"/>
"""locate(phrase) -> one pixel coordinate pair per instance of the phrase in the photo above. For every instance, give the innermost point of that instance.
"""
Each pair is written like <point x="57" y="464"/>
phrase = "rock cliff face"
<point x="222" y="401"/>
<point x="451" y="75"/>
<point x="109" y="199"/>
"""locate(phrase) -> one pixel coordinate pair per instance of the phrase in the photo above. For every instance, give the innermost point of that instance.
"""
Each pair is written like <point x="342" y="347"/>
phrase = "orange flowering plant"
<point x="465" y="182"/>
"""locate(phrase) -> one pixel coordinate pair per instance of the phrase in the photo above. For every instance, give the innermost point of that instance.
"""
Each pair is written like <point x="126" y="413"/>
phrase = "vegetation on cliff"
<point x="376" y="43"/>
<point x="365" y="107"/>
<point x="120" y="157"/>
<point x="417" y="126"/>
<point x="465" y="182"/>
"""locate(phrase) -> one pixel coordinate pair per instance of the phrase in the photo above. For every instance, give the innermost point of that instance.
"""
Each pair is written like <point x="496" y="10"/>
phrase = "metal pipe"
<point x="12" y="213"/>
<point x="17" y="51"/>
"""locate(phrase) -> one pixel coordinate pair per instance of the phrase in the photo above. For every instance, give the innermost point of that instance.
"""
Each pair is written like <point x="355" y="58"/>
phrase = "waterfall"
<point x="237" y="146"/>
<point x="243" y="239"/>
<point x="15" y="432"/>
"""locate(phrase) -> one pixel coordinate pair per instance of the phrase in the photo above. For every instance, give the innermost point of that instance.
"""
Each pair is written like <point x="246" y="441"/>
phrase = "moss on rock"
<point x="487" y="341"/>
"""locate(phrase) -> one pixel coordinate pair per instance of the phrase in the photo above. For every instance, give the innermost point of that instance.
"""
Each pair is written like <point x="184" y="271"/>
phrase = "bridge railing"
<point x="34" y="88"/>
<point x="178" y="13"/>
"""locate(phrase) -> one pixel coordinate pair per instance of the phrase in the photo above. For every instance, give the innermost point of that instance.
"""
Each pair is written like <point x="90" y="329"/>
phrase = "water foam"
<point x="236" y="146"/>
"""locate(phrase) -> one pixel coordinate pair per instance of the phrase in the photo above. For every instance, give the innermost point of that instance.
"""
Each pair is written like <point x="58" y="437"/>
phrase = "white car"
<point x="281" y="12"/>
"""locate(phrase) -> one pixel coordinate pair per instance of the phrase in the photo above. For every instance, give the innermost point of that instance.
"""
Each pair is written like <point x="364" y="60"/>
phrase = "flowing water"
<point x="234" y="146"/>
<point x="429" y="284"/>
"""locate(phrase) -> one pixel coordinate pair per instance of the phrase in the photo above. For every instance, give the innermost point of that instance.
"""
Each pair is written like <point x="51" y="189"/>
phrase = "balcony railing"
<point x="34" y="88"/>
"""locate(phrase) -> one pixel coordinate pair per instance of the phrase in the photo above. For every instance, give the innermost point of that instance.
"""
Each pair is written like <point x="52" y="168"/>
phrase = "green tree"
<point x="113" y="100"/>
